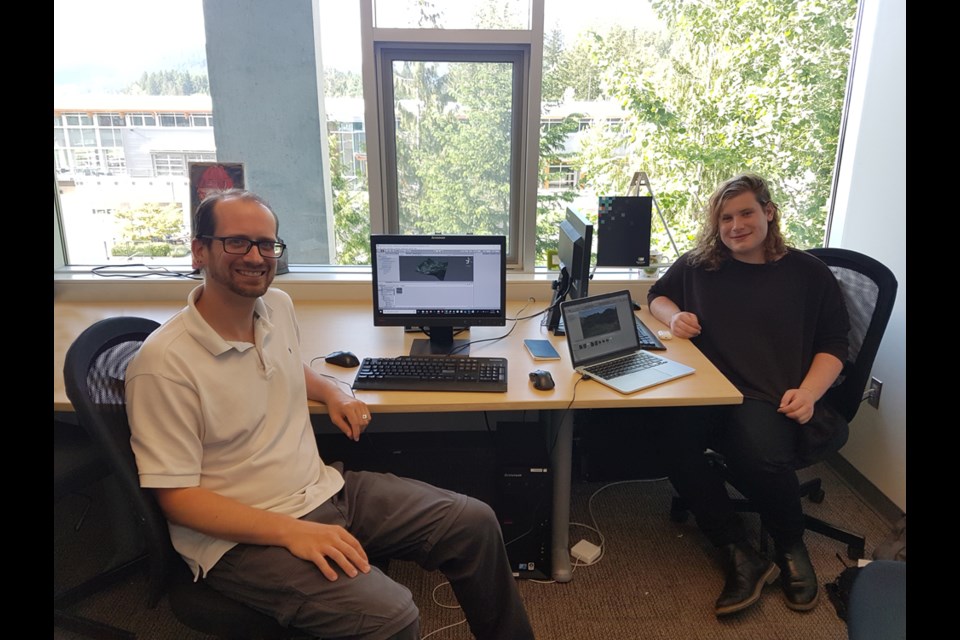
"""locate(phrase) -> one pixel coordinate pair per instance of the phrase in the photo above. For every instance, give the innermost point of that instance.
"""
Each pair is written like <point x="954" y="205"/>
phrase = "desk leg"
<point x="561" y="433"/>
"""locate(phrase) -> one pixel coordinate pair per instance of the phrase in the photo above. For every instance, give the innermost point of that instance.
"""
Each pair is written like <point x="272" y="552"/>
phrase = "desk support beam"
<point x="560" y="432"/>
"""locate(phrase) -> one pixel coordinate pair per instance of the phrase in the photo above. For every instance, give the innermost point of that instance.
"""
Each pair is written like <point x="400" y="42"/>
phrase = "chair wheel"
<point x="816" y="497"/>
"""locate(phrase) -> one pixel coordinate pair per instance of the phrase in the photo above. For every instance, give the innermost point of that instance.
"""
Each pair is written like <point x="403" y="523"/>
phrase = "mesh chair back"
<point x="869" y="291"/>
<point x="94" y="376"/>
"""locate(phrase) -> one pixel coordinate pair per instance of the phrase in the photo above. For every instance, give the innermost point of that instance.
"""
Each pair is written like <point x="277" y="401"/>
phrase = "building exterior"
<point x="119" y="151"/>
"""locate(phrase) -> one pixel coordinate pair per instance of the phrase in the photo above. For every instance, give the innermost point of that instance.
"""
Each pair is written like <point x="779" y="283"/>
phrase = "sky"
<point x="95" y="48"/>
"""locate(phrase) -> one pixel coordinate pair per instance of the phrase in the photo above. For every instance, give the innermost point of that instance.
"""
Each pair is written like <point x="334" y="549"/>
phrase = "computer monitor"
<point x="574" y="249"/>
<point x="438" y="283"/>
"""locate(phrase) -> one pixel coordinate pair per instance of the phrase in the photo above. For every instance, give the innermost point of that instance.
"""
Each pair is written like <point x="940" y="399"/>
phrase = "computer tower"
<point x="623" y="231"/>
<point x="523" y="501"/>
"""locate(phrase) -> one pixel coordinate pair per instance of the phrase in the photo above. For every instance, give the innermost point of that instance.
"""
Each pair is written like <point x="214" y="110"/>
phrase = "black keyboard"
<point x="648" y="339"/>
<point x="432" y="373"/>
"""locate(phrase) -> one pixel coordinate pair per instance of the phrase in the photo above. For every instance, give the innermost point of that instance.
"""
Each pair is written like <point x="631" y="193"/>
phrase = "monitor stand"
<point x="560" y="287"/>
<point x="441" y="343"/>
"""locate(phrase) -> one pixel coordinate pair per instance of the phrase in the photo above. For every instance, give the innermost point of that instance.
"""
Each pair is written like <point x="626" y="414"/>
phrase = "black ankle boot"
<point x="747" y="572"/>
<point x="798" y="578"/>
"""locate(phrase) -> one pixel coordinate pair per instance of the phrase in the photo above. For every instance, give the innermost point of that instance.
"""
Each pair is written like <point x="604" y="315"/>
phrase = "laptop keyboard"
<point x="623" y="366"/>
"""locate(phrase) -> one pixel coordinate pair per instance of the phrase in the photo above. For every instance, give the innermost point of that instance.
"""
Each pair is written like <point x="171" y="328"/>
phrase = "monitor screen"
<point x="574" y="249"/>
<point x="438" y="283"/>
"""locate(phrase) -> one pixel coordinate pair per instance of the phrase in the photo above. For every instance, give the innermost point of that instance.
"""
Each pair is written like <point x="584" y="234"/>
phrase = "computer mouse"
<point x="343" y="359"/>
<point x="636" y="305"/>
<point x="542" y="380"/>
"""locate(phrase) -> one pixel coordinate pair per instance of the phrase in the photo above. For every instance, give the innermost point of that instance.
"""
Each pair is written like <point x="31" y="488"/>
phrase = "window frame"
<point x="379" y="46"/>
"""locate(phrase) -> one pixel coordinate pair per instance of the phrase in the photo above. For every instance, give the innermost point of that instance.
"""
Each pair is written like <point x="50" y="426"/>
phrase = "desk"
<point x="329" y="326"/>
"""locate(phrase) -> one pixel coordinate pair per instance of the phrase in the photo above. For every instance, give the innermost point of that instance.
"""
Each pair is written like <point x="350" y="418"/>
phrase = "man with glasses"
<point x="217" y="400"/>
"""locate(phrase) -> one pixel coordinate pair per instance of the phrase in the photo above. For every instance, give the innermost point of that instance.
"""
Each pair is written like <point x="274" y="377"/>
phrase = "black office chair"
<point x="94" y="373"/>
<point x="78" y="466"/>
<point x="869" y="290"/>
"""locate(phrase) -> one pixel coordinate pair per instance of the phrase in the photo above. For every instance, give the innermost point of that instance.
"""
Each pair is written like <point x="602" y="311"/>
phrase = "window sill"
<point x="76" y="284"/>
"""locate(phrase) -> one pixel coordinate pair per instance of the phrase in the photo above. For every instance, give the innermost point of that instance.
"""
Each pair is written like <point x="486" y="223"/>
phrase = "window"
<point x="174" y="120"/>
<point x="486" y="117"/>
<point x="561" y="176"/>
<point x="109" y="120"/>
<point x="169" y="164"/>
<point x="454" y="120"/>
<point x="142" y="119"/>
<point x="201" y="120"/>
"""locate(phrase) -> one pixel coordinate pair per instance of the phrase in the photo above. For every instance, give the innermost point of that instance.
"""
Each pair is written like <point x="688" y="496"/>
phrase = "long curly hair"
<point x="710" y="251"/>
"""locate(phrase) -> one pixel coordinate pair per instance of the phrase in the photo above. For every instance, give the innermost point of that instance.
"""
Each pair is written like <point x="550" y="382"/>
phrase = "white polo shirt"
<point x="228" y="417"/>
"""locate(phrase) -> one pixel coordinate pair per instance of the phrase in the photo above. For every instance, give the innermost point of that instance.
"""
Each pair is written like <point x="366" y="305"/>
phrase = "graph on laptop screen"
<point x="437" y="283"/>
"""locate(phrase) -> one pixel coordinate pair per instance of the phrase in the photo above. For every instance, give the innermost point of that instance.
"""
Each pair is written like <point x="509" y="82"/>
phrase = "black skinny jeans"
<point x="759" y="446"/>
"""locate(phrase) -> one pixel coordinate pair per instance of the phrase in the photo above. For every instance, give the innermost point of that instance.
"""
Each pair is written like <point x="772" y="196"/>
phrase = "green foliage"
<point x="170" y="83"/>
<point x="748" y="85"/>
<point x="342" y="83"/>
<point x="453" y="147"/>
<point x="730" y="86"/>
<point x="152" y="222"/>
<point x="149" y="250"/>
<point x="551" y="205"/>
<point x="351" y="213"/>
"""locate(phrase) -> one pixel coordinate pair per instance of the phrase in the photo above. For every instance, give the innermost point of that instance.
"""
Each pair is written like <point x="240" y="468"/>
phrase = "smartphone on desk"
<point x="541" y="349"/>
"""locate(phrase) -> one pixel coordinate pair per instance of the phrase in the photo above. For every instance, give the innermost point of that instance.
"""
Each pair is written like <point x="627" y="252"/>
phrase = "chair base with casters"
<point x="813" y="491"/>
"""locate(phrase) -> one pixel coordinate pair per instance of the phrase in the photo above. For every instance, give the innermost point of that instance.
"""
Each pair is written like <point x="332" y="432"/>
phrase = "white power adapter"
<point x="585" y="551"/>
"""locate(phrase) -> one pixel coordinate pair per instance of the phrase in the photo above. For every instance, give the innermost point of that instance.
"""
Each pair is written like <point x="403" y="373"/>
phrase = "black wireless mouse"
<point x="541" y="379"/>
<point x="343" y="359"/>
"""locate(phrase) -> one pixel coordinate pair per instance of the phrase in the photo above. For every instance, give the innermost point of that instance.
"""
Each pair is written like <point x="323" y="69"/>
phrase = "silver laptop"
<point x="604" y="345"/>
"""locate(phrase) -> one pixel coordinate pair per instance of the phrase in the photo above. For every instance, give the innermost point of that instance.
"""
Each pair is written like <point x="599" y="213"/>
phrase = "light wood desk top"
<point x="327" y="326"/>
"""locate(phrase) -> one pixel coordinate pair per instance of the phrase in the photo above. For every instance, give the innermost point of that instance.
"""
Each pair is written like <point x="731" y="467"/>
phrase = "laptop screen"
<point x="600" y="327"/>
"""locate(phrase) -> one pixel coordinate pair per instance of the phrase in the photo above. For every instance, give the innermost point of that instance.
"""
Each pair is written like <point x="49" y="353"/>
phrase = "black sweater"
<point x="761" y="324"/>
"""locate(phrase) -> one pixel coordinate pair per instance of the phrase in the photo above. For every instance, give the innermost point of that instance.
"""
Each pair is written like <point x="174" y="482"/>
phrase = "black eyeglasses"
<point x="241" y="246"/>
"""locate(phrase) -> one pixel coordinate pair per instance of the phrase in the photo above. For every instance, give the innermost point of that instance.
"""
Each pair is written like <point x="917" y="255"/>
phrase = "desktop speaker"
<point x="623" y="231"/>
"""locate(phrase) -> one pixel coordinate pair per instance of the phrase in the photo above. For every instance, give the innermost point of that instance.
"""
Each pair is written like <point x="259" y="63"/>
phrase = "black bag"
<point x="894" y="547"/>
<point x="839" y="590"/>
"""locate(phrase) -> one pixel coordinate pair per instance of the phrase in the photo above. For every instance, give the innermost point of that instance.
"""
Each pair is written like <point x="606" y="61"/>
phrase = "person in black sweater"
<point x="772" y="320"/>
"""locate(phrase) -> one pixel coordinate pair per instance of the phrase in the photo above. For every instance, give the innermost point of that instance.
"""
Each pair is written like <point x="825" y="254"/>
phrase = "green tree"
<point x="152" y="229"/>
<point x="551" y="205"/>
<point x="351" y="213"/>
<point x="170" y="82"/>
<point x="342" y="83"/>
<point x="748" y="85"/>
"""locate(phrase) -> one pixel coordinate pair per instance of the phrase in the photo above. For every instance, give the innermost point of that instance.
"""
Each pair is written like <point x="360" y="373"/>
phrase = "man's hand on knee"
<point x="322" y="543"/>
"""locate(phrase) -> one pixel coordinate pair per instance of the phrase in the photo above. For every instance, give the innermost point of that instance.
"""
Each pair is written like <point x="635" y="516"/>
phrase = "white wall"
<point x="870" y="217"/>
